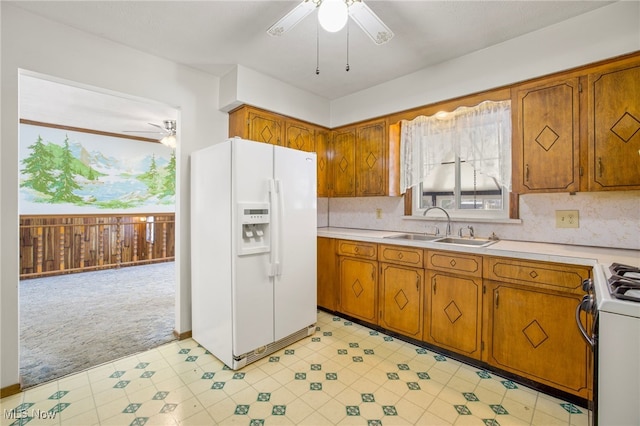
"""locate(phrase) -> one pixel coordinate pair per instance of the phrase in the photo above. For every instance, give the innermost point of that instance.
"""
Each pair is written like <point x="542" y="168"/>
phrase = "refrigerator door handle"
<point x="279" y="218"/>
<point x="275" y="231"/>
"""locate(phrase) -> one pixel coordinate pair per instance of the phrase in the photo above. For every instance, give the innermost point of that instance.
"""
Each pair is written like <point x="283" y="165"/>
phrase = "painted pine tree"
<point x="40" y="167"/>
<point x="65" y="183"/>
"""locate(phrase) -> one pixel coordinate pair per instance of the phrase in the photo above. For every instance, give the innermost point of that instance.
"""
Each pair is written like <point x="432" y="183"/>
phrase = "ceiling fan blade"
<point x="369" y="22"/>
<point x="292" y="18"/>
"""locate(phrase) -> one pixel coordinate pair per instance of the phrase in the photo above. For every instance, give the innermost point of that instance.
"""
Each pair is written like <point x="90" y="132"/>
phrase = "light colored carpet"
<point x="69" y="323"/>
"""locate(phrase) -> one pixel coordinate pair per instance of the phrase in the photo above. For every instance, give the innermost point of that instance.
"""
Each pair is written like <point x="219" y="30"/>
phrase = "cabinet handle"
<point x="497" y="298"/>
<point x="435" y="283"/>
<point x="417" y="282"/>
<point x="526" y="172"/>
<point x="600" y="166"/>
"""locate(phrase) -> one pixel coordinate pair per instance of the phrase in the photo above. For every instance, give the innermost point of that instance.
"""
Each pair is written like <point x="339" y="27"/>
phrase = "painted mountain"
<point x="72" y="174"/>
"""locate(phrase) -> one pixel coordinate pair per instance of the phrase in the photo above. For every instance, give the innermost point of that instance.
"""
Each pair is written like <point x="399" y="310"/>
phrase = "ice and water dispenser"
<point x="254" y="220"/>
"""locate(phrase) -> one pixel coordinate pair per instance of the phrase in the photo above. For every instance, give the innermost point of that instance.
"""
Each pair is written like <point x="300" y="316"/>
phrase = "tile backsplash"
<point x="606" y="219"/>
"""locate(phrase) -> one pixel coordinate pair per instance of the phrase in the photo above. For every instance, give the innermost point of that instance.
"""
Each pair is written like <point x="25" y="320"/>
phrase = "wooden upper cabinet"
<point x="614" y="127"/>
<point x="256" y="125"/>
<point x="546" y="143"/>
<point x="363" y="161"/>
<point x="578" y="130"/>
<point x="323" y="138"/>
<point x="299" y="135"/>
<point x="343" y="163"/>
<point x="371" y="159"/>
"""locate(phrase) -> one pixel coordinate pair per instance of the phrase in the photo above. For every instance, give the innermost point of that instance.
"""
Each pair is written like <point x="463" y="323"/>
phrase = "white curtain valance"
<point x="479" y="135"/>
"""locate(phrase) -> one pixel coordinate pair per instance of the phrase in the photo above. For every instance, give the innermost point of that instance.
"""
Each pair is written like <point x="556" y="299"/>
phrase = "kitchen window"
<point x="460" y="161"/>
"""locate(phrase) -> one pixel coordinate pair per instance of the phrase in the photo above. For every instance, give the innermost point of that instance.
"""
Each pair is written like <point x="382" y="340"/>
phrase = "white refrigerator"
<point x="253" y="249"/>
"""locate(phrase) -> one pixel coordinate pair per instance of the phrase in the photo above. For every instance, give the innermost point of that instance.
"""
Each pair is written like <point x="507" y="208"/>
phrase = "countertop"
<point x="562" y="253"/>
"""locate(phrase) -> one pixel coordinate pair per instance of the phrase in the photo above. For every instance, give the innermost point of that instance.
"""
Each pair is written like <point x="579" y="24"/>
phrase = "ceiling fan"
<point x="356" y="9"/>
<point x="167" y="130"/>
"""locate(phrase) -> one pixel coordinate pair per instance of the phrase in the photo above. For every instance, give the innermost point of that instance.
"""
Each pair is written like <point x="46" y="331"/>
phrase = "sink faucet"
<point x="448" y="232"/>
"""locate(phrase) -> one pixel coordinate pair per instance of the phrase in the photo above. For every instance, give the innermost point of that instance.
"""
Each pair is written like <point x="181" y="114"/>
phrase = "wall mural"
<point x="70" y="172"/>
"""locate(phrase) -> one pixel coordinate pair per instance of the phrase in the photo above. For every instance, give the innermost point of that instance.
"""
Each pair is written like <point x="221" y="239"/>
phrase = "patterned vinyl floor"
<point x="345" y="374"/>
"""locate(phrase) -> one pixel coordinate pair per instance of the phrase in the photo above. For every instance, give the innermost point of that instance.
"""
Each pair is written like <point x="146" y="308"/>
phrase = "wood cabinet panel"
<point x="532" y="332"/>
<point x="299" y="136"/>
<point x="343" y="164"/>
<point x="401" y="299"/>
<point x="371" y="157"/>
<point x="323" y="138"/>
<point x="546" y="139"/>
<point x="357" y="248"/>
<point x="458" y="263"/>
<point x="327" y="274"/>
<point x="400" y="255"/>
<point x="614" y="127"/>
<point x="358" y="288"/>
<point x="453" y="313"/>
<point x="554" y="276"/>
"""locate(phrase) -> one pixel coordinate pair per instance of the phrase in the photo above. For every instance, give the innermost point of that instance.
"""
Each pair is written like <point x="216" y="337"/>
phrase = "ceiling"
<point x="214" y="36"/>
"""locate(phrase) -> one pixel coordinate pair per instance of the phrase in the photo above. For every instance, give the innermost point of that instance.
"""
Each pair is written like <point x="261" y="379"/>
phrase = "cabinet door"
<point x="371" y="159"/>
<point x="533" y="333"/>
<point x="453" y="314"/>
<point x="614" y="121"/>
<point x="343" y="164"/>
<point x="327" y="274"/>
<point x="265" y="127"/>
<point x="358" y="288"/>
<point x="322" y="152"/>
<point x="546" y="138"/>
<point x="299" y="136"/>
<point x="401" y="299"/>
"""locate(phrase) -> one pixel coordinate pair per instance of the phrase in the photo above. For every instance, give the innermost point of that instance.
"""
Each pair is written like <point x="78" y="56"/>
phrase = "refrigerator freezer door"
<point x="295" y="244"/>
<point x="252" y="286"/>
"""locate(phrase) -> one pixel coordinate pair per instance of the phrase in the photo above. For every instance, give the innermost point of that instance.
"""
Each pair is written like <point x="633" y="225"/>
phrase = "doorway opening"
<point x="97" y="227"/>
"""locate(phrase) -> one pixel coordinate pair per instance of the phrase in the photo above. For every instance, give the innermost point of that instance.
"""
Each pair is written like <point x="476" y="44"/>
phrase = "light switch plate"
<point x="567" y="219"/>
<point x="378" y="213"/>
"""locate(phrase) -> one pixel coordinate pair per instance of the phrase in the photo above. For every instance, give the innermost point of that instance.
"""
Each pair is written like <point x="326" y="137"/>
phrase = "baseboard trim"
<point x="10" y="390"/>
<point x="182" y="336"/>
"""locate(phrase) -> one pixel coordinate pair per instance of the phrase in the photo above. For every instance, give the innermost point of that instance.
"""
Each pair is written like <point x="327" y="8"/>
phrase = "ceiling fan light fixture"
<point x="333" y="15"/>
<point x="169" y="141"/>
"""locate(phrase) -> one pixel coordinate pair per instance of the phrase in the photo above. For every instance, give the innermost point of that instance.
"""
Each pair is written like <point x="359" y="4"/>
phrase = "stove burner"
<point x="624" y="282"/>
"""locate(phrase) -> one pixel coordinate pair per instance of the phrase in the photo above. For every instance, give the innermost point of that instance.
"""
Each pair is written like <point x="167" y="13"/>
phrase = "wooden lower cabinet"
<point x="358" y="288"/>
<point x="401" y="296"/>
<point x="513" y="314"/>
<point x="532" y="332"/>
<point x="453" y="313"/>
<point x="327" y="274"/>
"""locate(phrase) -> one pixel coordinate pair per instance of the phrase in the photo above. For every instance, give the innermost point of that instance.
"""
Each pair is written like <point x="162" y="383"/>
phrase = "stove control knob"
<point x="588" y="304"/>
<point x="587" y="285"/>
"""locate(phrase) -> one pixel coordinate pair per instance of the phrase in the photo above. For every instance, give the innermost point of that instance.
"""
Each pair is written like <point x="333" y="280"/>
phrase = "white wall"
<point x="603" y="33"/>
<point x="35" y="44"/>
<point x="243" y="85"/>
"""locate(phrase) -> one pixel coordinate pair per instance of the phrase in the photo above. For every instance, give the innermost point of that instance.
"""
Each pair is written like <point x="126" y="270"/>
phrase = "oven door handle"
<point x="585" y="305"/>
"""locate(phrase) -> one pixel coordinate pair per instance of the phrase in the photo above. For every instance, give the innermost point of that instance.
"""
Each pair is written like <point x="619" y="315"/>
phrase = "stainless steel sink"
<point x="414" y="237"/>
<point x="474" y="242"/>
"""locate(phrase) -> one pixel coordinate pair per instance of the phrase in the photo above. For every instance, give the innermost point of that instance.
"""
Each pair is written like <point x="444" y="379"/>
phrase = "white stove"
<point x="616" y="342"/>
<point x="611" y="302"/>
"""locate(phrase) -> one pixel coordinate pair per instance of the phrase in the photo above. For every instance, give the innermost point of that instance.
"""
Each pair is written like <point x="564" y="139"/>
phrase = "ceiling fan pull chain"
<point x="347" y="69"/>
<point x="317" y="48"/>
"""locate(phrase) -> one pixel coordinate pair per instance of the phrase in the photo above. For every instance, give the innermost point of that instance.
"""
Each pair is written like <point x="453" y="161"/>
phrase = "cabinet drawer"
<point x="400" y="255"/>
<point x="465" y="264"/>
<point x="357" y="249"/>
<point x="555" y="276"/>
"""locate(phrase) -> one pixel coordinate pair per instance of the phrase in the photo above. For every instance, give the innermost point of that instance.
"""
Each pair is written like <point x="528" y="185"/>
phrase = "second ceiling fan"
<point x="355" y="9"/>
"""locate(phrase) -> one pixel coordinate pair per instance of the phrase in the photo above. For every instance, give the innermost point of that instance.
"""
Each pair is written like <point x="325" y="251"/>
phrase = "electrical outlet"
<point x="378" y="213"/>
<point x="567" y="219"/>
